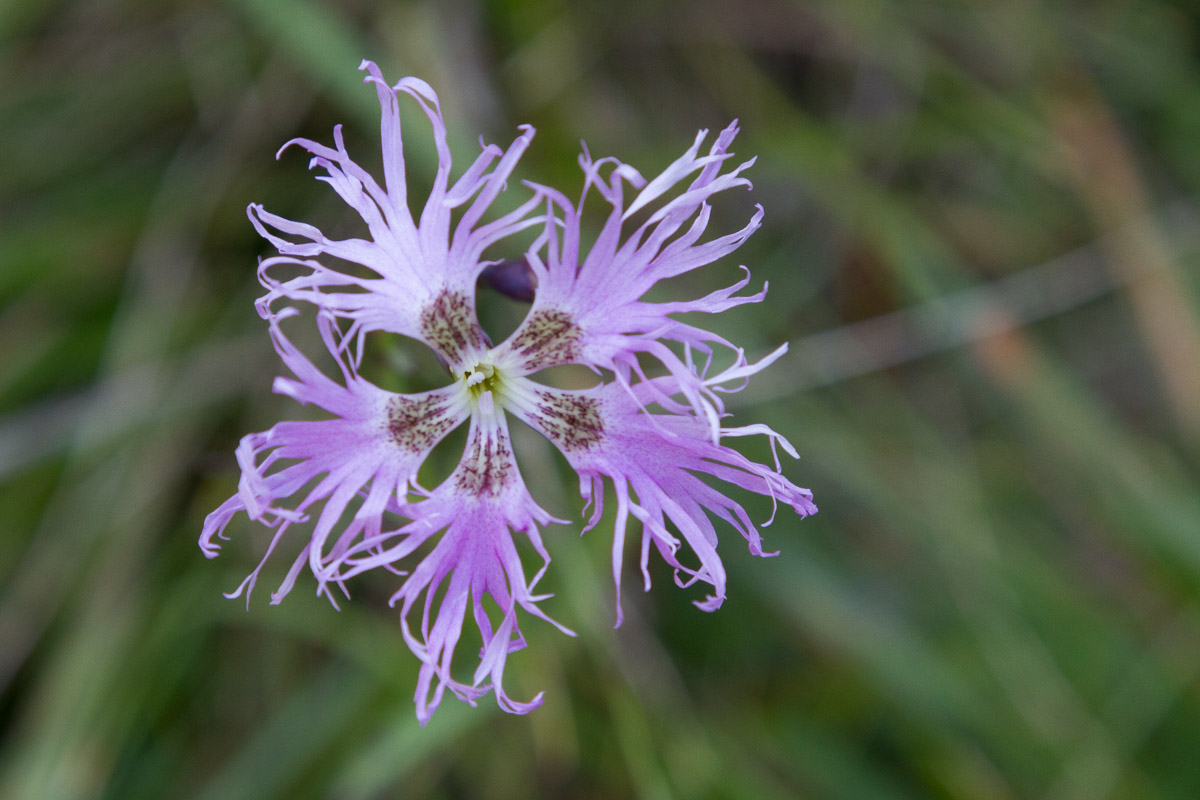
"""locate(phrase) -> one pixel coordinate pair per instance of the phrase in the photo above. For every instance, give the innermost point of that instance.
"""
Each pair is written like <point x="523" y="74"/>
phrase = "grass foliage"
<point x="981" y="239"/>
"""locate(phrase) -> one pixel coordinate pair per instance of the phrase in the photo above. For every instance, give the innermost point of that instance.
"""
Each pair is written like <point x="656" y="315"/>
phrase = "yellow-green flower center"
<point x="483" y="377"/>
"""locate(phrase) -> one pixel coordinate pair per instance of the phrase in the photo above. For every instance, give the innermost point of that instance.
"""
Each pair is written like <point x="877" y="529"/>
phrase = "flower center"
<point x="483" y="377"/>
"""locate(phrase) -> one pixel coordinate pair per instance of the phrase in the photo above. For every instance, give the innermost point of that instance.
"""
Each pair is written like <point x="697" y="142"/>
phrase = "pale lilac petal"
<point x="420" y="266"/>
<point x="654" y="462"/>
<point x="369" y="451"/>
<point x="589" y="308"/>
<point x="474" y="565"/>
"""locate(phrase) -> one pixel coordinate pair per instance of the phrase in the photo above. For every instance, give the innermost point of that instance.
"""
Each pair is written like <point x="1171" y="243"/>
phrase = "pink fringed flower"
<point x="651" y="436"/>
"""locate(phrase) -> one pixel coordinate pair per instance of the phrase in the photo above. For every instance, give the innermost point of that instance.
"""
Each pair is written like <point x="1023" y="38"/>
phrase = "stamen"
<point x="479" y="373"/>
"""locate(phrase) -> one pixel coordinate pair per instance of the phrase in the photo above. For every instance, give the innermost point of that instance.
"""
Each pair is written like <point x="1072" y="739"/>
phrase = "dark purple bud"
<point x="512" y="279"/>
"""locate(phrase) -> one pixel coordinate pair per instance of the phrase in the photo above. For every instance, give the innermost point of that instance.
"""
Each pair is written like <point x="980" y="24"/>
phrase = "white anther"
<point x="479" y="373"/>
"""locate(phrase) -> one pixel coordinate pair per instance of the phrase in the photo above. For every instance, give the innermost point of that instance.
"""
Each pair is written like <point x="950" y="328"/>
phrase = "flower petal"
<point x="416" y="269"/>
<point x="654" y="462"/>
<point x="371" y="450"/>
<point x="475" y="511"/>
<point x="589" y="308"/>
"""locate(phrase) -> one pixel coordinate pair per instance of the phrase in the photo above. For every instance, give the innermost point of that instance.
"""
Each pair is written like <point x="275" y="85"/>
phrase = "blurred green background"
<point x="981" y="239"/>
